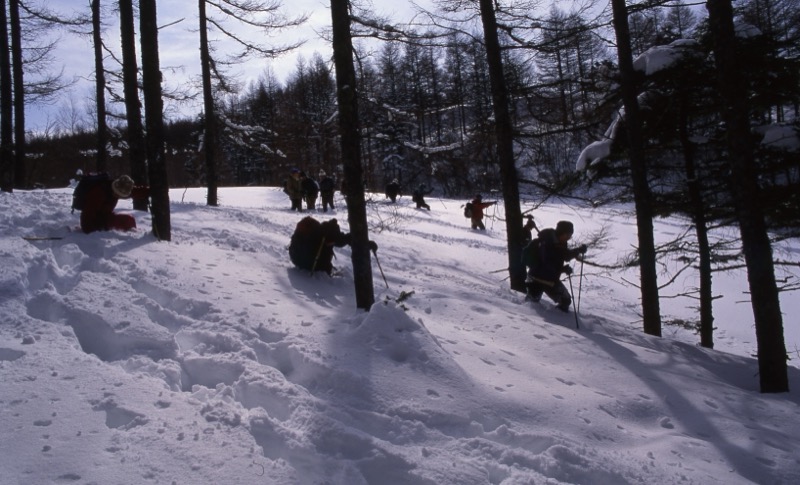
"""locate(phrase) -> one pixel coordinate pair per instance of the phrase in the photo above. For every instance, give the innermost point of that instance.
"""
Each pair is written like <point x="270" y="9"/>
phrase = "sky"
<point x="211" y="359"/>
<point x="179" y="52"/>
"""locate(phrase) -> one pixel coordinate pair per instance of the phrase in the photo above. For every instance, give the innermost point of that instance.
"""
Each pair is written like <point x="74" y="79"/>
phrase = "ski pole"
<point x="572" y="294"/>
<point x="316" y="258"/>
<point x="381" y="269"/>
<point x="580" y="284"/>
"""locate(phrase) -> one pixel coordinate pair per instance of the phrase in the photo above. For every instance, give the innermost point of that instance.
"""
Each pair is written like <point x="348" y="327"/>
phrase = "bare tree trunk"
<point x="6" y="108"/>
<point x="154" y="120"/>
<point x="701" y="228"/>
<point x="210" y="139"/>
<point x="773" y="372"/>
<point x="20" y="172"/>
<point x="100" y="88"/>
<point x="641" y="190"/>
<point x="351" y="152"/>
<point x="133" y="106"/>
<point x="505" y="146"/>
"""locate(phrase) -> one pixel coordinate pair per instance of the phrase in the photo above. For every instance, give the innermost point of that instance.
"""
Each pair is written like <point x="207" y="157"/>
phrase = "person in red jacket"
<point x="101" y="199"/>
<point x="477" y="212"/>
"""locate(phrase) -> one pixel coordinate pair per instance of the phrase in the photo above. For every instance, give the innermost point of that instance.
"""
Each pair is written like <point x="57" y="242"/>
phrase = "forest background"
<point x="429" y="112"/>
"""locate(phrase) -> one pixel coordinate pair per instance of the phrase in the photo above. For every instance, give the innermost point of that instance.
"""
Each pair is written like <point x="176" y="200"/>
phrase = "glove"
<point x="582" y="249"/>
<point x="373" y="246"/>
<point x="567" y="270"/>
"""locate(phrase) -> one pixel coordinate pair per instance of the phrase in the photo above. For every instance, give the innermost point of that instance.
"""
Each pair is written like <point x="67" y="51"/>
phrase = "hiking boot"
<point x="563" y="308"/>
<point x="532" y="298"/>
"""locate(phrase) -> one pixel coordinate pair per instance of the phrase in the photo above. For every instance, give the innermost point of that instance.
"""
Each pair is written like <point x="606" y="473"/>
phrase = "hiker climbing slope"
<point x="545" y="257"/>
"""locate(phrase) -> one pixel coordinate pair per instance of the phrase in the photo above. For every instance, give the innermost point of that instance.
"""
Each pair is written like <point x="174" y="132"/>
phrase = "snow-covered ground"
<point x="211" y="360"/>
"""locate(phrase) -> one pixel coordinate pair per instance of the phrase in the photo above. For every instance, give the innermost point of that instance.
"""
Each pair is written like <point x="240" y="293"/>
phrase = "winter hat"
<point x="564" y="227"/>
<point x="478" y="197"/>
<point x="321" y="173"/>
<point x="122" y="186"/>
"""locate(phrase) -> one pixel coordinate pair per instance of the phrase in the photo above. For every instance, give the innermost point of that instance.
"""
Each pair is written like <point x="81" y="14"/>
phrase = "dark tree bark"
<point x="20" y="173"/>
<point x="133" y="106"/>
<point x="701" y="225"/>
<point x="154" y="120"/>
<point x="351" y="152"/>
<point x="6" y="108"/>
<point x="210" y="138"/>
<point x="773" y="372"/>
<point x="505" y="146"/>
<point x="641" y="190"/>
<point x="100" y="88"/>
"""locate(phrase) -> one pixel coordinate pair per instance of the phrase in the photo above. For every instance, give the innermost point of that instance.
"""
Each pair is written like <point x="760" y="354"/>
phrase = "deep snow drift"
<point x="210" y="360"/>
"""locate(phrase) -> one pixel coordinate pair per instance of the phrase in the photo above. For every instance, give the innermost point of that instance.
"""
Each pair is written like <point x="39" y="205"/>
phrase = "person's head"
<point x="478" y="197"/>
<point x="395" y="181"/>
<point x="295" y="172"/>
<point x="122" y="186"/>
<point x="321" y="173"/>
<point x="564" y="230"/>
<point x="530" y="224"/>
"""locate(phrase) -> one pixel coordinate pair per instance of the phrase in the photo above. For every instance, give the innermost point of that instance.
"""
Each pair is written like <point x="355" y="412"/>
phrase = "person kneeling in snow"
<point x="312" y="244"/>
<point x="545" y="275"/>
<point x="101" y="199"/>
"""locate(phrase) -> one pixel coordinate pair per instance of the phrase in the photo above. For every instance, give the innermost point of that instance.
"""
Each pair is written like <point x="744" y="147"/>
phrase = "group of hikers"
<point x="545" y="255"/>
<point x="301" y="187"/>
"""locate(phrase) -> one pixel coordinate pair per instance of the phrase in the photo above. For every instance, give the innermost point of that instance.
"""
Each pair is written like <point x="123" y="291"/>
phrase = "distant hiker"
<point x="312" y="244"/>
<point x="546" y="256"/>
<point x="478" y="205"/>
<point x="418" y="196"/>
<point x="293" y="187"/>
<point x="100" y="199"/>
<point x="393" y="190"/>
<point x="327" y="187"/>
<point x="527" y="230"/>
<point x="310" y="190"/>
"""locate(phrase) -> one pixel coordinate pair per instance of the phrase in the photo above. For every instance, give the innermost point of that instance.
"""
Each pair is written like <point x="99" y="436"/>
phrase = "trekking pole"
<point x="574" y="309"/>
<point x="580" y="284"/>
<point x="316" y="258"/>
<point x="381" y="269"/>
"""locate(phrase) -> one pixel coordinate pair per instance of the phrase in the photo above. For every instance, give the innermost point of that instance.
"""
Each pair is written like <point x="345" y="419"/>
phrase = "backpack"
<point x="85" y="185"/>
<point x="530" y="253"/>
<point x="468" y="210"/>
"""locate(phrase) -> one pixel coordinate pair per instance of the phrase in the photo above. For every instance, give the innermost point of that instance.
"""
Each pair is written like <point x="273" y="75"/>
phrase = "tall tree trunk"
<point x="773" y="372"/>
<point x="133" y="106"/>
<point x="351" y="152"/>
<point x="20" y="173"/>
<point x="505" y="146"/>
<point x="100" y="89"/>
<point x="154" y="120"/>
<point x="700" y="223"/>
<point x="641" y="190"/>
<point x="210" y="139"/>
<point x="6" y="108"/>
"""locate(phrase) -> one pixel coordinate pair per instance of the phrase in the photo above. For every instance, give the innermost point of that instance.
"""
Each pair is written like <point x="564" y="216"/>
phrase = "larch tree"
<point x="744" y="182"/>
<point x="154" y="120"/>
<point x="648" y="274"/>
<point x="346" y="94"/>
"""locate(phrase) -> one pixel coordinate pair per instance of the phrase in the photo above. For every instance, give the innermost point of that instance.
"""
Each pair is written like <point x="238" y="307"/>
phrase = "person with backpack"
<point x="418" y="196"/>
<point x="327" y="187"/>
<point x="477" y="205"/>
<point x="393" y="190"/>
<point x="546" y="257"/>
<point x="96" y="196"/>
<point x="312" y="243"/>
<point x="310" y="190"/>
<point x="293" y="187"/>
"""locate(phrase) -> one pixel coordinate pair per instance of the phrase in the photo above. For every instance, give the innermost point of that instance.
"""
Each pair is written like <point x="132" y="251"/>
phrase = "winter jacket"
<point x="293" y="187"/>
<point x="553" y="254"/>
<point x="478" y="206"/>
<point x="98" y="209"/>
